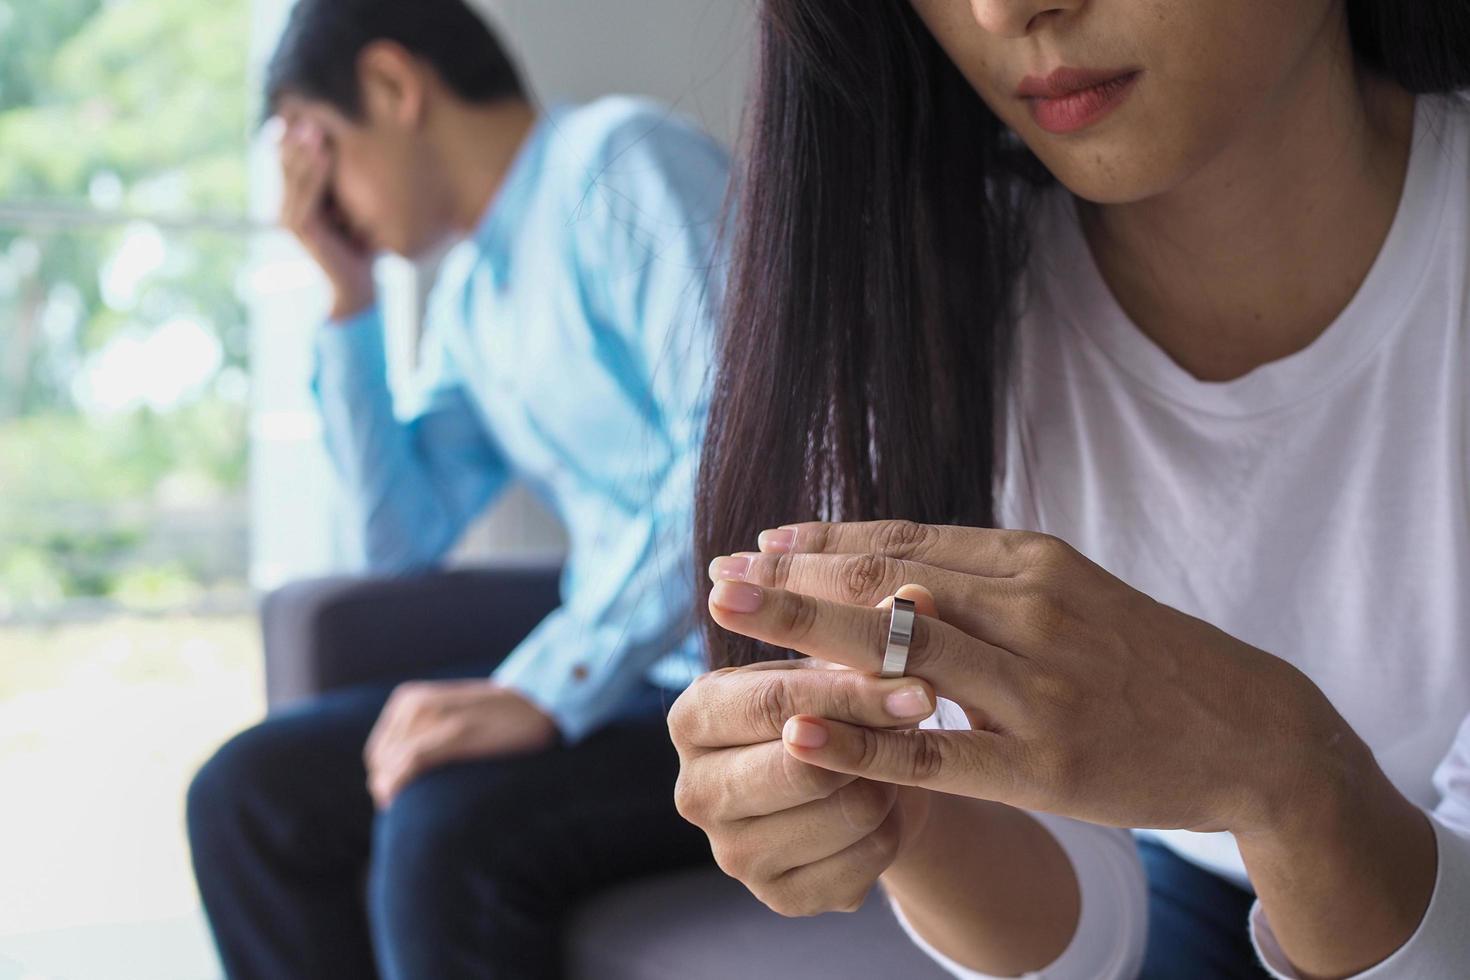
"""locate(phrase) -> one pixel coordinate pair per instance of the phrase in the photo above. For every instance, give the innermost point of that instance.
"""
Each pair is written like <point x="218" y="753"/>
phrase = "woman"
<point x="1174" y="291"/>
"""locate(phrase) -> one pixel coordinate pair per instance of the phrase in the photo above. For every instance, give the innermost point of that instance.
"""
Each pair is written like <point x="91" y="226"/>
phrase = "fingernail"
<point x="780" y="540"/>
<point x="804" y="734"/>
<point x="908" y="702"/>
<point x="732" y="568"/>
<point x="736" y="597"/>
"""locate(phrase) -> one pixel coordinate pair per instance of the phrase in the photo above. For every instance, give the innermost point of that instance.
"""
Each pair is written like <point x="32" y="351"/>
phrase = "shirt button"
<point x="579" y="672"/>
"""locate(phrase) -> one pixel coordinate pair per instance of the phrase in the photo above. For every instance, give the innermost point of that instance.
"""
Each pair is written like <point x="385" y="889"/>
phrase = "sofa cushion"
<point x="702" y="925"/>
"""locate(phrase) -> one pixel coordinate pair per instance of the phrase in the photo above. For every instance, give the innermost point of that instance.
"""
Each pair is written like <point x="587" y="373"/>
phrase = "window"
<point x="128" y="645"/>
<point x="159" y="455"/>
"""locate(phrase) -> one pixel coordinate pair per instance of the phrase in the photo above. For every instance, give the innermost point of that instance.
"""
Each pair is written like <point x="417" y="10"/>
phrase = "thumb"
<point x="921" y="597"/>
<point x="978" y="764"/>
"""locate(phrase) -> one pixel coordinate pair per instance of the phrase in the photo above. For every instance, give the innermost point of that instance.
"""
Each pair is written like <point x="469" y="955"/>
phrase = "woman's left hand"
<point x="1088" y="698"/>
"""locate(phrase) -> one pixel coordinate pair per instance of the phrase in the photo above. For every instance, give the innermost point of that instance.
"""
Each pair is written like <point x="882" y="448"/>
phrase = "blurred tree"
<point x="137" y="106"/>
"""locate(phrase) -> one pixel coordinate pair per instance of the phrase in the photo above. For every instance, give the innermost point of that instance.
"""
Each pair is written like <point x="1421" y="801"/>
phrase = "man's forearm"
<point x="988" y="886"/>
<point x="1346" y="875"/>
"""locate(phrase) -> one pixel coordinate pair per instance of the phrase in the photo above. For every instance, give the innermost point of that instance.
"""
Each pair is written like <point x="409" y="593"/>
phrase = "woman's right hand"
<point x="803" y="839"/>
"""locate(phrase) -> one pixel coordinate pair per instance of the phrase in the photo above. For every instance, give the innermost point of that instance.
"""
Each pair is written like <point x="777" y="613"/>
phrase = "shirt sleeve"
<point x="1112" y="929"/>
<point x="645" y="234"/>
<point x="1440" y="946"/>
<point x="585" y="660"/>
<point x="414" y="482"/>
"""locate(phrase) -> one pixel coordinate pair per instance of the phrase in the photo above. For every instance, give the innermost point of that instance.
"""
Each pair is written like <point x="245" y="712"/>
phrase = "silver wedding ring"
<point x="900" y="635"/>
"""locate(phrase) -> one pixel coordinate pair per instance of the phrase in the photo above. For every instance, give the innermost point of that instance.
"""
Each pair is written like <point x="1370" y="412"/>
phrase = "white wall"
<point x="693" y="54"/>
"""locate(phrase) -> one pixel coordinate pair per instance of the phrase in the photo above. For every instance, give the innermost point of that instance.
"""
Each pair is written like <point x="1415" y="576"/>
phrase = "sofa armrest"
<point x="327" y="633"/>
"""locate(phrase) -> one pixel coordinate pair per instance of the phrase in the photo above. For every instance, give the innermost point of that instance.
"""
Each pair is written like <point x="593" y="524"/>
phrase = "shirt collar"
<point x="508" y="208"/>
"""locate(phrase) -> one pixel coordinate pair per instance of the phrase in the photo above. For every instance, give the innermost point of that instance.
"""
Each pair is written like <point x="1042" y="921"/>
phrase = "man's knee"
<point x="446" y="830"/>
<point x="241" y="784"/>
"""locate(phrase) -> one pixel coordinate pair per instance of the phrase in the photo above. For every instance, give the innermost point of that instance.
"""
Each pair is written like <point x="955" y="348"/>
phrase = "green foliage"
<point x="30" y="34"/>
<point x="151" y="92"/>
<point x="56" y="460"/>
<point x="82" y="497"/>
<point x="139" y="105"/>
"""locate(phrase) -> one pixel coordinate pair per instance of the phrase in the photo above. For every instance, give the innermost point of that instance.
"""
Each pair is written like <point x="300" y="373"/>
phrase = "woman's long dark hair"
<point x="880" y="233"/>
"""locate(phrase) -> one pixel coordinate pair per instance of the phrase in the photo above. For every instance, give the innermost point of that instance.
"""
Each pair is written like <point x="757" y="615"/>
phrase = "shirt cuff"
<point x="579" y="694"/>
<point x="1439" y="947"/>
<point x="357" y="338"/>
<point x="1112" y="929"/>
<point x="532" y="679"/>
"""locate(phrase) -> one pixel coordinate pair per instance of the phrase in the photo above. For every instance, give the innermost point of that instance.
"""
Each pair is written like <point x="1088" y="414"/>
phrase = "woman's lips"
<point x="1070" y="99"/>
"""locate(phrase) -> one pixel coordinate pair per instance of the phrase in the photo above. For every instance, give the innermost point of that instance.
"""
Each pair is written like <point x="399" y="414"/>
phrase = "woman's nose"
<point x="1017" y="18"/>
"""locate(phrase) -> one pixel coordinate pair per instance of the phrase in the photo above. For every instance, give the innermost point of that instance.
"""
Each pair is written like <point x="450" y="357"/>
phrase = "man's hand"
<point x="430" y="723"/>
<point x="309" y="212"/>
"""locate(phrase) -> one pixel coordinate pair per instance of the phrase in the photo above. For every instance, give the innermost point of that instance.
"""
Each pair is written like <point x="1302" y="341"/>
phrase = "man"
<point x="567" y="345"/>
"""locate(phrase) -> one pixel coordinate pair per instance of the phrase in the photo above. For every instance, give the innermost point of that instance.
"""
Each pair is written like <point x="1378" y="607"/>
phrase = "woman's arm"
<point x="994" y="891"/>
<point x="1345" y="873"/>
<point x="1359" y="879"/>
<point x="987" y="887"/>
<point x="1090" y="699"/>
<point x="413" y="484"/>
<point x="989" y="890"/>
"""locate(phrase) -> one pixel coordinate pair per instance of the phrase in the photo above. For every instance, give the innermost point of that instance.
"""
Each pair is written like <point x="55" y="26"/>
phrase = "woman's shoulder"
<point x="1449" y="116"/>
<point x="1445" y="137"/>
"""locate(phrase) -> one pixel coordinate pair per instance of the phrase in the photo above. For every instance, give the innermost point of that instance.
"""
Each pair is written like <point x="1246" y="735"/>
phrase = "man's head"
<point x="373" y="76"/>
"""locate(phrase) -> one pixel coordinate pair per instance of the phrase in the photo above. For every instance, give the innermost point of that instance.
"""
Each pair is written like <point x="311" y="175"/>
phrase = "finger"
<point x="404" y="710"/>
<point x="747" y="707"/>
<point x="841" y="882"/>
<point x="924" y="605"/>
<point x="295" y="154"/>
<point x="959" y="666"/>
<point x="304" y="201"/>
<point x="977" y="764"/>
<point x="374" y="739"/>
<point x="302" y="162"/>
<point x="924" y="602"/>
<point x="976" y="550"/>
<point x="750" y="781"/>
<point x="861" y="579"/>
<point x="384" y="771"/>
<point x="981" y="606"/>
<point x="384" y="729"/>
<point x="770" y="846"/>
<point x="799" y="663"/>
<point x="428" y="749"/>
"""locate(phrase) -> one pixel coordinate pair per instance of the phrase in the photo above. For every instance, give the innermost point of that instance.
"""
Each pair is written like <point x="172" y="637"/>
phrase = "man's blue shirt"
<point x="568" y="345"/>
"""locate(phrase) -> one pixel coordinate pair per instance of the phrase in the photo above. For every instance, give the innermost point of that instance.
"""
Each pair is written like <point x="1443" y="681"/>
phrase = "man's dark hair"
<point x="317" y="55"/>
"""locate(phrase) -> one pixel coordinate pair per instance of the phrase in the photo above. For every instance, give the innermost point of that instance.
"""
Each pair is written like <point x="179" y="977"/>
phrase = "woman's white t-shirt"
<point x="1317" y="508"/>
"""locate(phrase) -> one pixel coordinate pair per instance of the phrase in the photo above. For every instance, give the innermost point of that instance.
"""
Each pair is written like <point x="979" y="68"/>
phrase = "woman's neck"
<point x="1254" y="255"/>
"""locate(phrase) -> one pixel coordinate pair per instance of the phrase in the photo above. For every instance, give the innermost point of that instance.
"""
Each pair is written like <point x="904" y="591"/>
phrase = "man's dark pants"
<point x="471" y="870"/>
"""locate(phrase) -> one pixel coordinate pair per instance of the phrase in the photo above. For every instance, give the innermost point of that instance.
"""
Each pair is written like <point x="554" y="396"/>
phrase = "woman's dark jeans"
<point x="1197" y="926"/>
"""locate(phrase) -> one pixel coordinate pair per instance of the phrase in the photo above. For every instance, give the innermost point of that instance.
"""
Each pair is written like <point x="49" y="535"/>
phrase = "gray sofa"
<point x="700" y="925"/>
